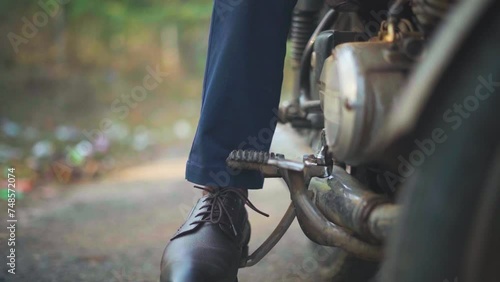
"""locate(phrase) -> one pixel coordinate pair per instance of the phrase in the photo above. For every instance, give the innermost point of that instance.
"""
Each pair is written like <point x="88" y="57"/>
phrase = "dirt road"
<point x="116" y="229"/>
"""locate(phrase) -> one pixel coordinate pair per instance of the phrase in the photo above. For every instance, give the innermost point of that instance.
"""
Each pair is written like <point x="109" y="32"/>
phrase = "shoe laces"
<point x="216" y="208"/>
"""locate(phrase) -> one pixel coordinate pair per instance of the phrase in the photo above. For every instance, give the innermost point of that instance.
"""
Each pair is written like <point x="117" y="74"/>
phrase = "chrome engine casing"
<point x="359" y="84"/>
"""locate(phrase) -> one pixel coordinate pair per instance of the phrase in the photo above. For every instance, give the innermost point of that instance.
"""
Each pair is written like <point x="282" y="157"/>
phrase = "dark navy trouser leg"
<point x="241" y="90"/>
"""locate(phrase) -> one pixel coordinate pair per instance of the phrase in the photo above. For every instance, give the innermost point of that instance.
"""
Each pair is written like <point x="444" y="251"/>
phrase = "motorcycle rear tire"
<point x="449" y="228"/>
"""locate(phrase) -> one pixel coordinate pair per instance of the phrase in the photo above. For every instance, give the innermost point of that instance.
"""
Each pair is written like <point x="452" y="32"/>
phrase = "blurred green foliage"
<point x="90" y="50"/>
<point x="91" y="54"/>
<point x="119" y="12"/>
<point x="68" y="71"/>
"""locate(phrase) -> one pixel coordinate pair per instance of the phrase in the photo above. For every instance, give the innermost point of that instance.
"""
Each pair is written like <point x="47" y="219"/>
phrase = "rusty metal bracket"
<point x="272" y="240"/>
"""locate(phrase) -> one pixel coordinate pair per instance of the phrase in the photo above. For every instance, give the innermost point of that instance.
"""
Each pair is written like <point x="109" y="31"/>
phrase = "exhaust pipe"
<point x="321" y="230"/>
<point x="345" y="201"/>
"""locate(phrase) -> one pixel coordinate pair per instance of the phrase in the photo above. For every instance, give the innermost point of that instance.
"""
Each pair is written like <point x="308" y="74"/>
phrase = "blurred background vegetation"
<point x="61" y="81"/>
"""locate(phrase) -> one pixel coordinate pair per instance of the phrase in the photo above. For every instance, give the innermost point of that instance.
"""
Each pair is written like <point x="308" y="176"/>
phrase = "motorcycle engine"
<point x="358" y="84"/>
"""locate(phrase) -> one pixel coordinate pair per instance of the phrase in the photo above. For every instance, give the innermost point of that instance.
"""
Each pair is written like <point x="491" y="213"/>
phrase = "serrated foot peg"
<point x="252" y="160"/>
<point x="268" y="163"/>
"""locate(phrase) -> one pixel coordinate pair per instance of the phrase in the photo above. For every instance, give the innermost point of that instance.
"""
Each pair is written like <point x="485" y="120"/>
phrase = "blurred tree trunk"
<point x="170" y="49"/>
<point x="193" y="41"/>
<point x="60" y="38"/>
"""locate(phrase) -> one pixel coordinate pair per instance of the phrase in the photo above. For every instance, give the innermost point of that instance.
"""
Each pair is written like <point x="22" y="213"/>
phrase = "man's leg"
<point x="241" y="89"/>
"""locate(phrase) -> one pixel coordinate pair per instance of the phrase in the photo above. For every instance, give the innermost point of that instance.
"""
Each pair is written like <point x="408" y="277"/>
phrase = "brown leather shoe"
<point x="209" y="246"/>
